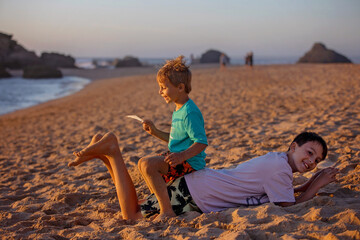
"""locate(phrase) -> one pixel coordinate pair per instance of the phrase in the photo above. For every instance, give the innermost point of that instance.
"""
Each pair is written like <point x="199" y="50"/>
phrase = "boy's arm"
<point x="305" y="186"/>
<point x="150" y="128"/>
<point x="162" y="135"/>
<point x="324" y="177"/>
<point x="176" y="158"/>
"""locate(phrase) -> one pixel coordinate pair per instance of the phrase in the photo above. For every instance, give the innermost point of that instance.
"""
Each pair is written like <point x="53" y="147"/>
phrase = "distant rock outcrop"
<point x="15" y="56"/>
<point x="4" y="73"/>
<point x="212" y="56"/>
<point x="320" y="54"/>
<point x="41" y="71"/>
<point x="127" y="61"/>
<point x="58" y="60"/>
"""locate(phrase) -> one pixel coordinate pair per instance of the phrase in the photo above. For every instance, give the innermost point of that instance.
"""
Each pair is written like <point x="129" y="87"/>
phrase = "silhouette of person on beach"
<point x="249" y="59"/>
<point x="263" y="179"/>
<point x="223" y="61"/>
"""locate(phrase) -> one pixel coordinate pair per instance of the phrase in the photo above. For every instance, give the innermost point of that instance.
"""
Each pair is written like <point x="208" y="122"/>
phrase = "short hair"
<point x="176" y="72"/>
<point x="305" y="137"/>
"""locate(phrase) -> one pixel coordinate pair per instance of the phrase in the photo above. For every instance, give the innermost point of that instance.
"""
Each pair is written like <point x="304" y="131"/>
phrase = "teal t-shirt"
<point x="187" y="127"/>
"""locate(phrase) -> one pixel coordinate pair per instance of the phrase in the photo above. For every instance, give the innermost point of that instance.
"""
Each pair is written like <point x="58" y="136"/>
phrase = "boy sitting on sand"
<point x="186" y="140"/>
<point x="267" y="178"/>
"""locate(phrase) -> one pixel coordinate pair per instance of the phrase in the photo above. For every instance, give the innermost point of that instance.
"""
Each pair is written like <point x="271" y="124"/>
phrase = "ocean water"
<point x="89" y="63"/>
<point x="18" y="93"/>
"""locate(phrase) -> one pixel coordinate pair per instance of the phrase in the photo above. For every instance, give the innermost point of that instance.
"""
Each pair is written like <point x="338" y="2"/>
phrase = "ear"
<point x="293" y="145"/>
<point x="181" y="87"/>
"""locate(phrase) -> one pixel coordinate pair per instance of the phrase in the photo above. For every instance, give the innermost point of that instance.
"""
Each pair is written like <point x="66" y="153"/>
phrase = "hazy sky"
<point x="166" y="28"/>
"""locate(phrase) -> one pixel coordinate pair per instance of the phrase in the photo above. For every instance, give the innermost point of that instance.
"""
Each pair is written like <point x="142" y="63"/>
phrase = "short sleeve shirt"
<point x="267" y="178"/>
<point x="187" y="128"/>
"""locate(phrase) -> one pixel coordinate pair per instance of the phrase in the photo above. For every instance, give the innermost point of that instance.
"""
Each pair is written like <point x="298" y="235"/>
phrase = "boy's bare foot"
<point x="94" y="139"/>
<point x="106" y="146"/>
<point x="80" y="160"/>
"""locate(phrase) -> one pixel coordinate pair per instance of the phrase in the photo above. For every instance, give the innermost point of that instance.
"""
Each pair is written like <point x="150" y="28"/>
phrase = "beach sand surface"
<point x="248" y="112"/>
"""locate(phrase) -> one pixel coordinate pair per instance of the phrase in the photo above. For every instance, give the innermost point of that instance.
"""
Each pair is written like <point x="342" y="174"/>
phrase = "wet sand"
<point x="248" y="112"/>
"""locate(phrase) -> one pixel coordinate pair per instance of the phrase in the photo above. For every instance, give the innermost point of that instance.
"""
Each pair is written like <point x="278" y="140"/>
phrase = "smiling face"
<point x="168" y="91"/>
<point x="304" y="158"/>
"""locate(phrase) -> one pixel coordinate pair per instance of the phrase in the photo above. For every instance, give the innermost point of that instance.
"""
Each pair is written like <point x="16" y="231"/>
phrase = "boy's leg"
<point x="108" y="147"/>
<point x="144" y="162"/>
<point x="97" y="137"/>
<point x="152" y="169"/>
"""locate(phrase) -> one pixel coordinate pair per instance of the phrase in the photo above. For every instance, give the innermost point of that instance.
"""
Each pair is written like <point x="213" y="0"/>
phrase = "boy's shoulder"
<point x="190" y="106"/>
<point x="273" y="160"/>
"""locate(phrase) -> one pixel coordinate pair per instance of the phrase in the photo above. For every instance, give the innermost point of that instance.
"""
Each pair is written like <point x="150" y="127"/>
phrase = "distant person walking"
<point x="222" y="61"/>
<point x="249" y="59"/>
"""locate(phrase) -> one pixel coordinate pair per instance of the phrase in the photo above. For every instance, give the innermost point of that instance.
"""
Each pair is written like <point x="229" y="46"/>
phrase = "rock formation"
<point x="41" y="71"/>
<point x="212" y="56"/>
<point x="15" y="56"/>
<point x="58" y="60"/>
<point x="320" y="54"/>
<point x="4" y="73"/>
<point x="127" y="61"/>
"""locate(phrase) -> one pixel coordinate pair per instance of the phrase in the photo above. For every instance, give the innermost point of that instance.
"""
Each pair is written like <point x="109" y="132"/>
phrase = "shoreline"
<point x="248" y="112"/>
<point x="101" y="74"/>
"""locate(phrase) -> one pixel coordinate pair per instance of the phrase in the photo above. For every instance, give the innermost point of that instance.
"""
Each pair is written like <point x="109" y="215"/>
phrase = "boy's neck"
<point x="181" y="101"/>
<point x="291" y="162"/>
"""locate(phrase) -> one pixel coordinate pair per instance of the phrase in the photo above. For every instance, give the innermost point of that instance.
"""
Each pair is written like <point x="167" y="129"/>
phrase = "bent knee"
<point x="143" y="163"/>
<point x="150" y="165"/>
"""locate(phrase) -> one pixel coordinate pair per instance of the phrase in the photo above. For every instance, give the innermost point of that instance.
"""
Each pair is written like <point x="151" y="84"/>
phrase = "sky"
<point x="167" y="28"/>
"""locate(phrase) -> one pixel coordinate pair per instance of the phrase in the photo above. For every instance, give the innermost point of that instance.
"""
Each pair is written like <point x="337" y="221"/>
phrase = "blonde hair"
<point x="176" y="72"/>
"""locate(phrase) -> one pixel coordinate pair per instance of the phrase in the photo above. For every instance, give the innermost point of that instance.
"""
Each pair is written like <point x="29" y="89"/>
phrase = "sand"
<point x="247" y="112"/>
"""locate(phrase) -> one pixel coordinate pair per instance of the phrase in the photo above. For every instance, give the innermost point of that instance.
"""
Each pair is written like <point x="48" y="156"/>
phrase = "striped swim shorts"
<point x="180" y="198"/>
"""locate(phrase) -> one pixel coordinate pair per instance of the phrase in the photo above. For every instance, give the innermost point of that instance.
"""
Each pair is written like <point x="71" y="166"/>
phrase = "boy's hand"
<point x="327" y="176"/>
<point x="174" y="159"/>
<point x="149" y="127"/>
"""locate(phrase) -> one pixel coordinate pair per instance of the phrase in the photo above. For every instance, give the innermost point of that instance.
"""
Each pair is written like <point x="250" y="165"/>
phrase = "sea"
<point x="18" y="93"/>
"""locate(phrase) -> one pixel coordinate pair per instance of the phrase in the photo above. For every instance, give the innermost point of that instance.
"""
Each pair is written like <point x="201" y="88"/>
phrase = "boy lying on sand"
<point x="267" y="178"/>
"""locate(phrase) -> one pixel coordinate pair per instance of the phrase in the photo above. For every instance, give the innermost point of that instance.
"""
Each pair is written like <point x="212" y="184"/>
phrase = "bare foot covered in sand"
<point x="107" y="145"/>
<point x="79" y="159"/>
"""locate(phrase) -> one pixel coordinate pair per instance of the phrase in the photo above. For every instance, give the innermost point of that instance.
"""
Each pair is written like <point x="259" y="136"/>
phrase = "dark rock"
<point x="5" y="41"/>
<point x="127" y="61"/>
<point x="15" y="56"/>
<point x="22" y="58"/>
<point x="4" y="73"/>
<point x="212" y="56"/>
<point x="58" y="60"/>
<point x="320" y="54"/>
<point x="41" y="71"/>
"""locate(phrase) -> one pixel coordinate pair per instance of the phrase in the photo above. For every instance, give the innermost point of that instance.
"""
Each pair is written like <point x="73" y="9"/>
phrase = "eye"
<point x="310" y="153"/>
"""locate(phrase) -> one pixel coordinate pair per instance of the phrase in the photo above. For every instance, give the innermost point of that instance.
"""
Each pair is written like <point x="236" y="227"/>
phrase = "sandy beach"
<point x="248" y="112"/>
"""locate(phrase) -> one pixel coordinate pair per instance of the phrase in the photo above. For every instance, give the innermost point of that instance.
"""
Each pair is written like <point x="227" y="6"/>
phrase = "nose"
<point x="312" y="160"/>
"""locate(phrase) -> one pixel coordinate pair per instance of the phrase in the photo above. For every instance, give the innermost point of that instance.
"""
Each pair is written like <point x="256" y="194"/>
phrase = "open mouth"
<point x="306" y="166"/>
